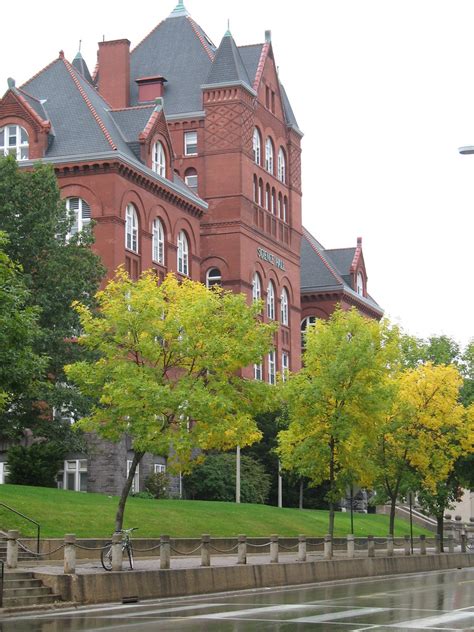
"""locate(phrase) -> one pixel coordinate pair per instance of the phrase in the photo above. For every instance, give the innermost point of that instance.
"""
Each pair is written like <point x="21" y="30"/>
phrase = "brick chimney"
<point x="114" y="72"/>
<point x="150" y="88"/>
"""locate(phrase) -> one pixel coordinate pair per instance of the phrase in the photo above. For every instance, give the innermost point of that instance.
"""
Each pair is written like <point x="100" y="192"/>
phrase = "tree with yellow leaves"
<point x="168" y="369"/>
<point x="423" y="434"/>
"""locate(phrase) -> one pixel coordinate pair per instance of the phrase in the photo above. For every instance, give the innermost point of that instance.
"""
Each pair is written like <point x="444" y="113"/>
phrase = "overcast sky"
<point x="384" y="93"/>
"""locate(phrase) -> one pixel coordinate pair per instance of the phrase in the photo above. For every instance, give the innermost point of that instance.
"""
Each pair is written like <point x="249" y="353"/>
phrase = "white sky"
<point x="383" y="91"/>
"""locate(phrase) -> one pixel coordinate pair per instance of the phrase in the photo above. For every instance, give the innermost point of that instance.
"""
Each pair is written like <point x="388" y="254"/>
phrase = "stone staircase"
<point x="23" y="556"/>
<point x="21" y="589"/>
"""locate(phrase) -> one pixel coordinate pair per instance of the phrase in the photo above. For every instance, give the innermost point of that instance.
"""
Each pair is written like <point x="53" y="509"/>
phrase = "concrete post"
<point x="117" y="553"/>
<point x="205" y="550"/>
<point x="463" y="542"/>
<point x="422" y="544"/>
<point x="406" y="545"/>
<point x="12" y="549"/>
<point x="370" y="546"/>
<point x="301" y="548"/>
<point x="450" y="543"/>
<point x="69" y="554"/>
<point x="165" y="552"/>
<point x="390" y="547"/>
<point x="437" y="543"/>
<point x="327" y="547"/>
<point x="242" y="549"/>
<point x="273" y="549"/>
<point x="350" y="545"/>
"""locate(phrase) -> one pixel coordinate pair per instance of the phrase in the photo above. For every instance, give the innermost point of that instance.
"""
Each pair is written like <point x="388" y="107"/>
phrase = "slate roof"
<point x="80" y="65"/>
<point x="132" y="121"/>
<point x="228" y="65"/>
<point x="250" y="56"/>
<point x="320" y="272"/>
<point x="34" y="103"/>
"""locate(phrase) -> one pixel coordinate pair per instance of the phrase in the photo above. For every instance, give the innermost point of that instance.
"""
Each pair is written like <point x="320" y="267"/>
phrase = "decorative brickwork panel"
<point x="295" y="166"/>
<point x="228" y="126"/>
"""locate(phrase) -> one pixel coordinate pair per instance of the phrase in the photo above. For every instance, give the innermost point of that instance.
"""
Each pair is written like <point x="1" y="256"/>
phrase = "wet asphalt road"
<point x="425" y="601"/>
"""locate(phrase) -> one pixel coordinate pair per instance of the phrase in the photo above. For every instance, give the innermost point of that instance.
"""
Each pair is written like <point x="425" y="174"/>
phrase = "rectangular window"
<point x="271" y="368"/>
<point x="3" y="472"/>
<point x="190" y="143"/>
<point x="136" y="479"/>
<point x="273" y="102"/>
<point x="73" y="476"/>
<point x="159" y="467"/>
<point x="257" y="371"/>
<point x="285" y="365"/>
<point x="267" y="98"/>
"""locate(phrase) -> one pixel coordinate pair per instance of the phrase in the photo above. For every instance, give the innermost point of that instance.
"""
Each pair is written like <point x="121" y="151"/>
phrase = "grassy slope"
<point x="92" y="515"/>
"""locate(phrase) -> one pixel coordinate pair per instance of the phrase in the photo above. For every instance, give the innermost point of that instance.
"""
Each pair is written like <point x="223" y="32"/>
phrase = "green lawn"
<point x="92" y="515"/>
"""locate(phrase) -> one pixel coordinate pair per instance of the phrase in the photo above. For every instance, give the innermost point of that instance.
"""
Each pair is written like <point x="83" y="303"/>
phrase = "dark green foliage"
<point x="214" y="479"/>
<point x="156" y="484"/>
<point x="37" y="465"/>
<point x="56" y="271"/>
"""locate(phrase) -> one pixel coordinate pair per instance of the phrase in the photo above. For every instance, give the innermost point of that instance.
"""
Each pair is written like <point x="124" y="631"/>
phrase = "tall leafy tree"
<point x="57" y="270"/>
<point x="168" y="373"/>
<point x="335" y="401"/>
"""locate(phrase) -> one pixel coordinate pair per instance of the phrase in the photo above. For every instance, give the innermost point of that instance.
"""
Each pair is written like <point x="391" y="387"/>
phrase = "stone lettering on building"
<point x="271" y="258"/>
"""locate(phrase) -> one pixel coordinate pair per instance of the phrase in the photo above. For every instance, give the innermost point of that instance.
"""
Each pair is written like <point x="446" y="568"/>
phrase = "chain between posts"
<point x="27" y="550"/>
<point x="185" y="552"/>
<point x="288" y="548"/>
<point x="233" y="548"/>
<point x="152" y="548"/>
<point x="90" y="548"/>
<point x="258" y="546"/>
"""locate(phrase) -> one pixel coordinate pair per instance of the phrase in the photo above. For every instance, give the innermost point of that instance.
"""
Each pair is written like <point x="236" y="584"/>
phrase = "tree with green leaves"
<point x="169" y="369"/>
<point x="335" y="401"/>
<point x="21" y="369"/>
<point x="58" y="268"/>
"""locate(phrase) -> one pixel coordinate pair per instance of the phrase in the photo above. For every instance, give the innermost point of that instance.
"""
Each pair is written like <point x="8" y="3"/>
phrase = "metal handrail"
<point x="38" y="526"/>
<point x="2" y="575"/>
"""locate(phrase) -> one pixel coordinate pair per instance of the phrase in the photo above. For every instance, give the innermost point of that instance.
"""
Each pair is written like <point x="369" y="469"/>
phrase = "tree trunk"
<point x="440" y="530"/>
<point x="393" y="506"/>
<point x="331" y="489"/>
<point x="301" y="493"/>
<point x="137" y="457"/>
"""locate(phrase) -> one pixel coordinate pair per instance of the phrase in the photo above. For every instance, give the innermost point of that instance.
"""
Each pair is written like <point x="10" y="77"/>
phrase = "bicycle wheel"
<point x="106" y="556"/>
<point x="130" y="556"/>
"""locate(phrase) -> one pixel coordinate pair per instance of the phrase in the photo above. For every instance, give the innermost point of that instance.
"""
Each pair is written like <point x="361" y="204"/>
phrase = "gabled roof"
<point x="250" y="56"/>
<point x="320" y="272"/>
<point x="35" y="104"/>
<point x="179" y="50"/>
<point x="228" y="66"/>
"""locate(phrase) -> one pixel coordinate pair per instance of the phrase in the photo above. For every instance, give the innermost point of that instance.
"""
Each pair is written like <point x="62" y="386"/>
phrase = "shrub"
<point x="37" y="465"/>
<point x="214" y="479"/>
<point x="156" y="485"/>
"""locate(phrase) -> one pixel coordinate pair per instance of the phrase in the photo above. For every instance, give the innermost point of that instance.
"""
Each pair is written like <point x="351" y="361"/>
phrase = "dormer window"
<point x="14" y="142"/>
<point x="158" y="159"/>
<point x="360" y="284"/>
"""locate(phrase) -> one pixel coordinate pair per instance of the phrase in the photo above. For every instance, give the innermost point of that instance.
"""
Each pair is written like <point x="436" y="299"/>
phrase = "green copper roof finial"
<point x="179" y="10"/>
<point x="228" y="33"/>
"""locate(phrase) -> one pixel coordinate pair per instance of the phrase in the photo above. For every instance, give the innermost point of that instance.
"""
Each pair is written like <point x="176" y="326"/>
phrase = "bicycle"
<point x="106" y="553"/>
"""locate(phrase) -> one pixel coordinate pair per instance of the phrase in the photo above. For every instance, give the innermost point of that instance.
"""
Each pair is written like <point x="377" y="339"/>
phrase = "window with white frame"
<point x="190" y="143"/>
<point x="256" y="287"/>
<point x="158" y="242"/>
<point x="158" y="159"/>
<point x="281" y="165"/>
<point x="284" y="307"/>
<point x="257" y="147"/>
<point x="14" y="142"/>
<point x="135" y="488"/>
<point x="81" y="213"/>
<point x="131" y="228"/>
<point x="285" y="365"/>
<point x="3" y="472"/>
<point x="269" y="155"/>
<point x="360" y="284"/>
<point x="191" y="179"/>
<point x="272" y="367"/>
<point x="183" y="253"/>
<point x="159" y="468"/>
<point x="73" y="476"/>
<point x="258" y="371"/>
<point x="305" y="323"/>
<point x="271" y="301"/>
<point x="213" y="277"/>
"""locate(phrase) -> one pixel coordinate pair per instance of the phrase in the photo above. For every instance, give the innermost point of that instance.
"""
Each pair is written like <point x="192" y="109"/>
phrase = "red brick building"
<point x="187" y="157"/>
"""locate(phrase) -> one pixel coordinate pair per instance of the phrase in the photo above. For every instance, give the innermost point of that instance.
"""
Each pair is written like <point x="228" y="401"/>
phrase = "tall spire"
<point x="179" y="10"/>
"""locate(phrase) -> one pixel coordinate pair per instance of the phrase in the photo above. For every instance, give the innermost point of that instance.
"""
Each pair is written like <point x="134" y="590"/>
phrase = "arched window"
<point x="82" y="214"/>
<point x="191" y="178"/>
<point x="285" y="209"/>
<point x="284" y="307"/>
<point x="158" y="159"/>
<point x="158" y="242"/>
<point x="280" y="206"/>
<point x="269" y="155"/>
<point x="260" y="192"/>
<point x="267" y="197"/>
<point x="131" y="228"/>
<point x="14" y="142"/>
<point x="213" y="277"/>
<point x="183" y="253"/>
<point x="305" y="323"/>
<point x="271" y="301"/>
<point x="281" y="165"/>
<point x="257" y="147"/>
<point x="273" y="201"/>
<point x="256" y="287"/>
<point x="285" y="365"/>
<point x="360" y="284"/>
